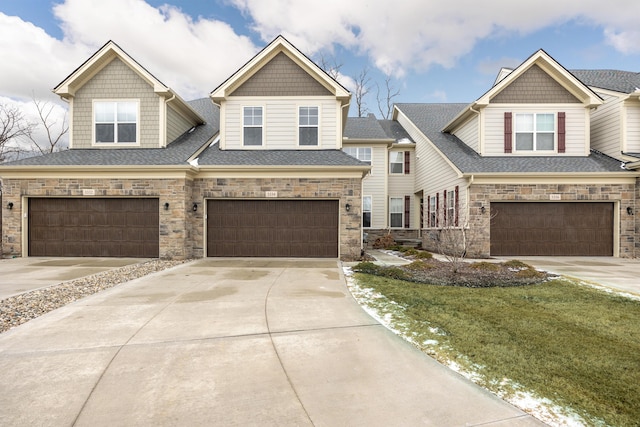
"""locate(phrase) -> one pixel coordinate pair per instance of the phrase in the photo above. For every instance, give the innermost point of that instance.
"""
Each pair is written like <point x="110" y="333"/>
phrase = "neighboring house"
<point x="256" y="170"/>
<point x="543" y="163"/>
<point x="518" y="170"/>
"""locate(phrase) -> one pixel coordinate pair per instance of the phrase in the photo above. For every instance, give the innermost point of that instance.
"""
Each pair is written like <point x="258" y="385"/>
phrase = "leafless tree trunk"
<point x="363" y="85"/>
<point x="330" y="66"/>
<point x="13" y="126"/>
<point x="385" y="100"/>
<point x="53" y="132"/>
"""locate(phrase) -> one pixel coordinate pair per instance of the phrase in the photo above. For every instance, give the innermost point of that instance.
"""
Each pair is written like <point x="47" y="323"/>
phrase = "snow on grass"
<point x="390" y="314"/>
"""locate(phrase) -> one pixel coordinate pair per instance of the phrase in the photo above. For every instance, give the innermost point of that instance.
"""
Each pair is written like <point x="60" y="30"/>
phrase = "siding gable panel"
<point x="532" y="87"/>
<point x="281" y="77"/>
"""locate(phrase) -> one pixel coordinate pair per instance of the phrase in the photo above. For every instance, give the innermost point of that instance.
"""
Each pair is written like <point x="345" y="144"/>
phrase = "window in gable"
<point x="308" y="125"/>
<point x="396" y="212"/>
<point x="252" y="126"/>
<point x="366" y="211"/>
<point x="361" y="153"/>
<point x="535" y="132"/>
<point x="115" y="122"/>
<point x="396" y="162"/>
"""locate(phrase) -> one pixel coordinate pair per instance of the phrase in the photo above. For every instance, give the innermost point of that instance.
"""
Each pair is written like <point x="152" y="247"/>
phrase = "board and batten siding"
<point x="176" y="124"/>
<point x="606" y="125"/>
<point x="469" y="133"/>
<point x="280" y="122"/>
<point x="632" y="143"/>
<point x="116" y="81"/>
<point x="577" y="127"/>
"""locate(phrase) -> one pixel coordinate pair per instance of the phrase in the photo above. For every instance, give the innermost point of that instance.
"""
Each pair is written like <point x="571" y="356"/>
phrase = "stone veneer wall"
<point x="173" y="227"/>
<point x="483" y="194"/>
<point x="346" y="190"/>
<point x="397" y="233"/>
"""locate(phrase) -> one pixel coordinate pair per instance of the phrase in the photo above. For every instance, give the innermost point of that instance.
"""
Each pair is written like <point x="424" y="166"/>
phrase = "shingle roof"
<point x="364" y="128"/>
<point x="394" y="130"/>
<point x="619" y="81"/>
<point x="431" y="118"/>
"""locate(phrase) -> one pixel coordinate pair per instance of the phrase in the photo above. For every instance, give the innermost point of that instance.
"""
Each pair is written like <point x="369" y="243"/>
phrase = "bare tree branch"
<point x="363" y="85"/>
<point x="330" y="65"/>
<point x="54" y="133"/>
<point x="385" y="100"/>
<point x="13" y="126"/>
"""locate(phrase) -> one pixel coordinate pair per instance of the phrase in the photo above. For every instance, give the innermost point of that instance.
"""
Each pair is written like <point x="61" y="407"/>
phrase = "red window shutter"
<point x="407" y="160"/>
<point x="456" y="207"/>
<point x="561" y="132"/>
<point x="508" y="133"/>
<point x="444" y="211"/>
<point x="437" y="207"/>
<point x="407" y="211"/>
<point x="428" y="211"/>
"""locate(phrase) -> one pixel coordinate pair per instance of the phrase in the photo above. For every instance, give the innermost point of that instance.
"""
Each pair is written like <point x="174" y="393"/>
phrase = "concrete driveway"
<point x="622" y="274"/>
<point x="19" y="275"/>
<point x="230" y="342"/>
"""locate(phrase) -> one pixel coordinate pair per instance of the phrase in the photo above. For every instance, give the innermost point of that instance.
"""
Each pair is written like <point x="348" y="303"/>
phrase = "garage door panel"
<point x="116" y="227"/>
<point x="533" y="228"/>
<point x="272" y="228"/>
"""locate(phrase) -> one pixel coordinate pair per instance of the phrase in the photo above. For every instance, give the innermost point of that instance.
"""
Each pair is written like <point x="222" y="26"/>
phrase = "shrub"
<point x="486" y="266"/>
<point x="367" y="268"/>
<point x="530" y="273"/>
<point x="514" y="263"/>
<point x="419" y="265"/>
<point x="424" y="255"/>
<point x="411" y="252"/>
<point x="394" y="273"/>
<point x="384" y="242"/>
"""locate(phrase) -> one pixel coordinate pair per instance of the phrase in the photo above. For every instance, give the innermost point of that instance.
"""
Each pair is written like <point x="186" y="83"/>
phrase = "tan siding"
<point x="280" y="121"/>
<point x="534" y="86"/>
<point x="375" y="184"/>
<point x="468" y="133"/>
<point x="633" y="129"/>
<point x="576" y="136"/>
<point x="116" y="81"/>
<point x="605" y="126"/>
<point x="176" y="124"/>
<point x="281" y="77"/>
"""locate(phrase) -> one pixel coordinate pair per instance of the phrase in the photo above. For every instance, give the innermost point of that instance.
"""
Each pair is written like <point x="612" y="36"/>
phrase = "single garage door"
<point x="94" y="227"/>
<point x="554" y="228"/>
<point x="272" y="228"/>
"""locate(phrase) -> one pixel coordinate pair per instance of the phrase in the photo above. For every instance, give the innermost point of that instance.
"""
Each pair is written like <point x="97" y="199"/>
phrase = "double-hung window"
<point x="433" y="211"/>
<point x="396" y="162"/>
<point x="366" y="211"/>
<point x="361" y="153"/>
<point x="396" y="212"/>
<point x="252" y="126"/>
<point x="451" y="208"/>
<point x="535" y="132"/>
<point x="115" y="122"/>
<point x="308" y="125"/>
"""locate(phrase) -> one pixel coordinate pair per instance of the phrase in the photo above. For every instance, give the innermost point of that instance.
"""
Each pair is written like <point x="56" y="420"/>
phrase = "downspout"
<point x="163" y="120"/>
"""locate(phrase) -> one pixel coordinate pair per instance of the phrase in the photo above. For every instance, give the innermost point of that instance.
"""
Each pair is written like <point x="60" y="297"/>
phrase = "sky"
<point x="430" y="50"/>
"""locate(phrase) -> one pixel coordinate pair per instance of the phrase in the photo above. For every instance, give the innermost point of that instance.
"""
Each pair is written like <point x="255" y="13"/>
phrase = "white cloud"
<point x="401" y="35"/>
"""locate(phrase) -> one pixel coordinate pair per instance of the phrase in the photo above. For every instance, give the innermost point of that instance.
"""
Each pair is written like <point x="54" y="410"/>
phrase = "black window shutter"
<point x="407" y="209"/>
<point x="508" y="133"/>
<point x="407" y="160"/>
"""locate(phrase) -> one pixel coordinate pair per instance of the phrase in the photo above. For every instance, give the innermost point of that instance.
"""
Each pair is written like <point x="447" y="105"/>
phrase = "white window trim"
<point x="264" y="120"/>
<point x="318" y="144"/>
<point x="370" y="211"/>
<point x="401" y="163"/>
<point x="451" y="208"/>
<point x="433" y="210"/>
<point x="357" y="153"/>
<point x="115" y="143"/>
<point x="401" y="212"/>
<point x="535" y="132"/>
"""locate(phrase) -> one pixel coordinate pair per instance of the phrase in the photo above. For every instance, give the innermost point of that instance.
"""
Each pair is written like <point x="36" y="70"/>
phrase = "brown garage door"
<point x="94" y="227"/>
<point x="564" y="229"/>
<point x="272" y="228"/>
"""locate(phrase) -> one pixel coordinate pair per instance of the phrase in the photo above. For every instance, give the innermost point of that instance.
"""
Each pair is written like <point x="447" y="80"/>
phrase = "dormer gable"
<point x="117" y="103"/>
<point x="279" y="57"/>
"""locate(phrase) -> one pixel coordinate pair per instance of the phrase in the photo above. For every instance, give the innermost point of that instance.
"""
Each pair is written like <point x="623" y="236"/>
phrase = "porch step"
<point x="414" y="243"/>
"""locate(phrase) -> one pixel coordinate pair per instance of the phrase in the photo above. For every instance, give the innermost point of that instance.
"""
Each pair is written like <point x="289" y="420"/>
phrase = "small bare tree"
<point x="454" y="238"/>
<point x="53" y="131"/>
<point x="385" y="99"/>
<point x="331" y="66"/>
<point x="13" y="127"/>
<point x="363" y="86"/>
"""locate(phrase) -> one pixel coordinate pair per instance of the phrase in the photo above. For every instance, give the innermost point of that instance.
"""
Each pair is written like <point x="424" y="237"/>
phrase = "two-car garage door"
<point x="83" y="227"/>
<point x="552" y="229"/>
<point x="272" y="228"/>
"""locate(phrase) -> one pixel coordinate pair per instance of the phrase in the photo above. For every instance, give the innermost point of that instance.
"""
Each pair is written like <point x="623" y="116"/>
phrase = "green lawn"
<point x="575" y="345"/>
